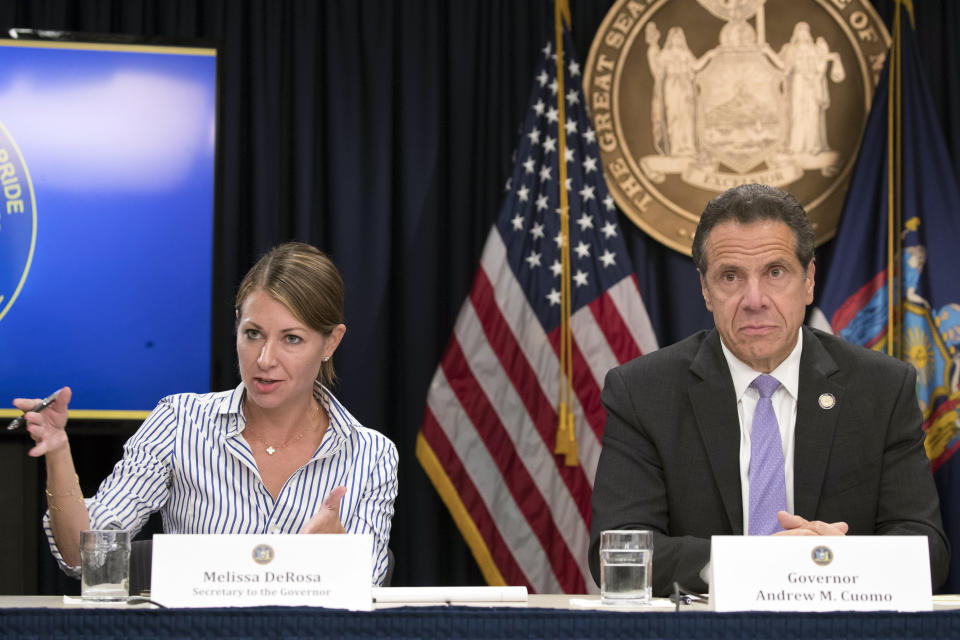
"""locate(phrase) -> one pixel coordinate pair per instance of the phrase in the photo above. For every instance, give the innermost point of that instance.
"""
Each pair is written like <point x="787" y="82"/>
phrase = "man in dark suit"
<point x="760" y="425"/>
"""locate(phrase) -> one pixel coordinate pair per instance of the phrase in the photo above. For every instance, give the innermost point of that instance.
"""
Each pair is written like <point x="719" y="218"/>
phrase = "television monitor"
<point x="107" y="164"/>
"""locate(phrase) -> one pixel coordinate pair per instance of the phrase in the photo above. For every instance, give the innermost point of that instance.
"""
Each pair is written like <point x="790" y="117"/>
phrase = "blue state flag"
<point x="900" y="292"/>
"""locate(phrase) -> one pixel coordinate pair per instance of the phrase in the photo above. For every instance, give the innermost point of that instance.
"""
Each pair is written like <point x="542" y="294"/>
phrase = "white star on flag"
<point x="545" y="173"/>
<point x="537" y="230"/>
<point x="549" y="144"/>
<point x="534" y="259"/>
<point x="517" y="222"/>
<point x="541" y="203"/>
<point x="589" y="164"/>
<point x="585" y="221"/>
<point x="552" y="114"/>
<point x="609" y="230"/>
<point x="582" y="249"/>
<point x="607" y="258"/>
<point x="586" y="193"/>
<point x="553" y="297"/>
<point x="580" y="278"/>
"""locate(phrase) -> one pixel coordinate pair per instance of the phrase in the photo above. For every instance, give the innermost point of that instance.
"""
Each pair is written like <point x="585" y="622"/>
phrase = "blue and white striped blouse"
<point x="189" y="461"/>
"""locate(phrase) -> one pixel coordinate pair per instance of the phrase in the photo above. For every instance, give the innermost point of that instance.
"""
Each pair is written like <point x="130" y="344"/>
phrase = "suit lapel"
<point x="715" y="408"/>
<point x="816" y="424"/>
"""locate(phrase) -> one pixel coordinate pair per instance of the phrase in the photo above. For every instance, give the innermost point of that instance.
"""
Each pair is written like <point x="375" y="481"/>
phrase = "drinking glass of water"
<point x="105" y="565"/>
<point x="626" y="564"/>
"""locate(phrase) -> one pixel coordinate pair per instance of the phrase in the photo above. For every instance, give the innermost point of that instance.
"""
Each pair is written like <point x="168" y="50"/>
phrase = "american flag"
<point x="490" y="426"/>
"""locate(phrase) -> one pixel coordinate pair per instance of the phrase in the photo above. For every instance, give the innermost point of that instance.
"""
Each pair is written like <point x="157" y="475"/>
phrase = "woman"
<point x="674" y="103"/>
<point x="277" y="454"/>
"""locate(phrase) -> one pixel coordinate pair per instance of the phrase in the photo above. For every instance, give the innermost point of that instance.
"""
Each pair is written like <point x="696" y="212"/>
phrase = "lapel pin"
<point x="827" y="401"/>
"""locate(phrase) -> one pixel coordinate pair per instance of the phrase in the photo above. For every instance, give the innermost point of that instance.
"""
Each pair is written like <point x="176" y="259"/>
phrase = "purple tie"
<point x="768" y="490"/>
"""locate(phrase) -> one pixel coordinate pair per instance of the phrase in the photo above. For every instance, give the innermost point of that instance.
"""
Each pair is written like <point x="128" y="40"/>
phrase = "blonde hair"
<point x="305" y="281"/>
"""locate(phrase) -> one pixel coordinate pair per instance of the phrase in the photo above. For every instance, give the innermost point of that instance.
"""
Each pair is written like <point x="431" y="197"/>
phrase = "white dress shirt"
<point x="784" y="401"/>
<point x="189" y="461"/>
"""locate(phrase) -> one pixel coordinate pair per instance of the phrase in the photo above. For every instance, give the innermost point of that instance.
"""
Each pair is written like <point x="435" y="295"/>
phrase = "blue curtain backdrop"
<point x="382" y="131"/>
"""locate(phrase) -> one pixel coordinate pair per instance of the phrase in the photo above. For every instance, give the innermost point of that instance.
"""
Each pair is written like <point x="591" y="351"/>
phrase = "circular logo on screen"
<point x="692" y="97"/>
<point x="18" y="221"/>
<point x="821" y="556"/>
<point x="263" y="554"/>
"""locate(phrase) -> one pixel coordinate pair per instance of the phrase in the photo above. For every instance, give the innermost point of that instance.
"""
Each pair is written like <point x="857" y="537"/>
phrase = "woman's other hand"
<point x="327" y="519"/>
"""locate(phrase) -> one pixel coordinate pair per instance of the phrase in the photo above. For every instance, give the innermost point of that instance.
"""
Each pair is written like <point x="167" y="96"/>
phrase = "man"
<point x="699" y="442"/>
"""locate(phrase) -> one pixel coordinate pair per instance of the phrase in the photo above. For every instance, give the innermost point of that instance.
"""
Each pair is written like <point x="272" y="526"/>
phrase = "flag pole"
<point x="893" y="192"/>
<point x="566" y="434"/>
<point x="898" y="238"/>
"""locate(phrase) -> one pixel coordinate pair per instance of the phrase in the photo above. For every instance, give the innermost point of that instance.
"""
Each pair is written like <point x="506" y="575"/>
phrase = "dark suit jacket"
<point x="671" y="452"/>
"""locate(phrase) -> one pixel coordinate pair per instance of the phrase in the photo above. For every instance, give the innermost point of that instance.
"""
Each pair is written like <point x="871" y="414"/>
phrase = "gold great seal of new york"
<point x="692" y="97"/>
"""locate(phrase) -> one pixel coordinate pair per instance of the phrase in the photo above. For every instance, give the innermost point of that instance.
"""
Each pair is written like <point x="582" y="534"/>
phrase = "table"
<point x="548" y="616"/>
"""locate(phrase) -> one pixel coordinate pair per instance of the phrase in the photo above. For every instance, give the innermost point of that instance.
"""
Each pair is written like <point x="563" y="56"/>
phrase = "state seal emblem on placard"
<point x="821" y="556"/>
<point x="18" y="221"/>
<point x="263" y="554"/>
<point x="691" y="97"/>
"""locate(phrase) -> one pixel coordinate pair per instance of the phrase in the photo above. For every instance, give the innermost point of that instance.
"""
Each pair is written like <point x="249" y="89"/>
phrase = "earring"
<point x="325" y="358"/>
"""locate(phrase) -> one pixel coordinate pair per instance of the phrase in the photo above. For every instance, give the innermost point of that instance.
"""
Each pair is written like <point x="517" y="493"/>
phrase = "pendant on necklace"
<point x="270" y="450"/>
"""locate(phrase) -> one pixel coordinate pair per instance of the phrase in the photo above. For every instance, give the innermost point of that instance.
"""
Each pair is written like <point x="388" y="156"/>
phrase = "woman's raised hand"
<point x="47" y="427"/>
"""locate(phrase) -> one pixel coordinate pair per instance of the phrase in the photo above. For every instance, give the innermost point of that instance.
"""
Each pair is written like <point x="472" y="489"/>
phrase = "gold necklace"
<point x="270" y="449"/>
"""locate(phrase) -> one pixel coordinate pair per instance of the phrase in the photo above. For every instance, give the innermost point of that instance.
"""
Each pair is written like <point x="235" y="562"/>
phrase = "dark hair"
<point x="306" y="282"/>
<point x="753" y="203"/>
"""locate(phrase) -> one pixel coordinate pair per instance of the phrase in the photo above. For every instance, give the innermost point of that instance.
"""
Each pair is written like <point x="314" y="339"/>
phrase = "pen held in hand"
<point x="16" y="423"/>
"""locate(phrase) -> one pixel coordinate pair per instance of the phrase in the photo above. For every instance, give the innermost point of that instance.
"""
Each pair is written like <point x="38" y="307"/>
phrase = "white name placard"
<point x="321" y="570"/>
<point x="836" y="573"/>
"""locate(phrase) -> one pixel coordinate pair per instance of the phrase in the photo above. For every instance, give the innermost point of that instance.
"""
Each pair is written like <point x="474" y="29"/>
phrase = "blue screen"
<point x="106" y="222"/>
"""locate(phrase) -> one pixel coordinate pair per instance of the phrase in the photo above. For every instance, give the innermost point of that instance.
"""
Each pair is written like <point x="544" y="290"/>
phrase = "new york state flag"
<point x="893" y="282"/>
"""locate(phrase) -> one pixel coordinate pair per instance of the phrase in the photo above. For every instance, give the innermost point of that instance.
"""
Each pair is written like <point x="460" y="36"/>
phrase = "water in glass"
<point x="105" y="562"/>
<point x="625" y="576"/>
